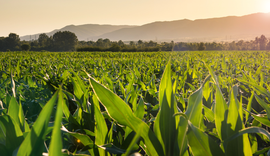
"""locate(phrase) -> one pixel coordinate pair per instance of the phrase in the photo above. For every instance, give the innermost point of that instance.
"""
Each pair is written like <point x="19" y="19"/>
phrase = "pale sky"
<point x="25" y="17"/>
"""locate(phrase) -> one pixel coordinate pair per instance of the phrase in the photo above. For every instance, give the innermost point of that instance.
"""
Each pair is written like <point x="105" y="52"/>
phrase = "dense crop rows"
<point x="173" y="103"/>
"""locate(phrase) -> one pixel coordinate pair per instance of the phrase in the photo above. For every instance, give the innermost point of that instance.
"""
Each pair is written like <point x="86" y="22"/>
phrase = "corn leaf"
<point x="165" y="123"/>
<point x="201" y="144"/>
<point x="241" y="145"/>
<point x="264" y="105"/>
<point x="33" y="143"/>
<point x="10" y="133"/>
<point x="56" y="141"/>
<point x="121" y="112"/>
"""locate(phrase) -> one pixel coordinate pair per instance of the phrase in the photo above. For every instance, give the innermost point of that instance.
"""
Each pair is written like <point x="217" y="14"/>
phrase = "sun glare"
<point x="266" y="7"/>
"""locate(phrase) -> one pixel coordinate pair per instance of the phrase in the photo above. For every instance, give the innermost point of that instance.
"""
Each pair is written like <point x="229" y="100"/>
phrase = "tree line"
<point x="260" y="43"/>
<point x="60" y="41"/>
<point x="68" y="41"/>
<point x="115" y="46"/>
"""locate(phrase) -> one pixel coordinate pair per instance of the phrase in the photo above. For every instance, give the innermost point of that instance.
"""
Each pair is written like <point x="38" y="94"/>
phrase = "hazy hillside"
<point x="214" y="29"/>
<point x="83" y="32"/>
<point x="226" y="28"/>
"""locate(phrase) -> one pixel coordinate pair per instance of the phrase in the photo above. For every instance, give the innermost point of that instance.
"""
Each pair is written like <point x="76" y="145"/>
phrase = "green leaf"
<point x="194" y="109"/>
<point x="240" y="146"/>
<point x="33" y="144"/>
<point x="101" y="130"/>
<point x="249" y="130"/>
<point x="66" y="111"/>
<point x="264" y="105"/>
<point x="220" y="108"/>
<point x="79" y="81"/>
<point x="112" y="149"/>
<point x="15" y="112"/>
<point x="77" y="89"/>
<point x="208" y="114"/>
<point x="165" y="123"/>
<point x="84" y="139"/>
<point x="121" y="112"/>
<point x="10" y="133"/>
<point x="262" y="119"/>
<point x="133" y="143"/>
<point x="182" y="134"/>
<point x="256" y="87"/>
<point x="4" y="151"/>
<point x="249" y="105"/>
<point x="140" y="109"/>
<point x="263" y="151"/>
<point x="56" y="141"/>
<point x="201" y="144"/>
<point x="253" y="142"/>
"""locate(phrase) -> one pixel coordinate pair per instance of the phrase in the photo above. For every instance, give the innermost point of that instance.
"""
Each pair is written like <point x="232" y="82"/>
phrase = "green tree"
<point x="65" y="41"/>
<point x="34" y="44"/>
<point x="12" y="42"/>
<point x="165" y="46"/>
<point x="240" y="44"/>
<point x="99" y="43"/>
<point x="25" y="47"/>
<point x="2" y="44"/>
<point x="115" y="47"/>
<point x="262" y="42"/>
<point x="152" y="44"/>
<point x="121" y="43"/>
<point x="268" y="46"/>
<point x="106" y="43"/>
<point x="43" y="40"/>
<point x="140" y="44"/>
<point x="201" y="46"/>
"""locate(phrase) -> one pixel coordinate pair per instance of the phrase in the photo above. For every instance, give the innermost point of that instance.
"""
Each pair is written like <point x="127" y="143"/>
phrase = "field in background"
<point x="154" y="103"/>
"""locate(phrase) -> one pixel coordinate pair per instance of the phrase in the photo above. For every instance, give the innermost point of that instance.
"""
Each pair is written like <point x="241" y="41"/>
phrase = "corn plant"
<point x="173" y="103"/>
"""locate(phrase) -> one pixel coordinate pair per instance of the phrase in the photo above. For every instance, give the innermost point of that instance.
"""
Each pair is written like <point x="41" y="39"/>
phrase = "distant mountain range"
<point x="213" y="29"/>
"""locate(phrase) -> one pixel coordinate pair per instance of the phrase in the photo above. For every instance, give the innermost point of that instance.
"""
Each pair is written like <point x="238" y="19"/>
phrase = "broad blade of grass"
<point x="249" y="130"/>
<point x="193" y="114"/>
<point x="263" y="151"/>
<point x="165" y="124"/>
<point x="264" y="120"/>
<point x="4" y="151"/>
<point x="194" y="109"/>
<point x="220" y="110"/>
<point x="133" y="143"/>
<point x="56" y="141"/>
<point x="249" y="105"/>
<point x="77" y="89"/>
<point x="182" y="135"/>
<point x="240" y="146"/>
<point x="33" y="143"/>
<point x="209" y="114"/>
<point x="11" y="135"/>
<point x="258" y="88"/>
<point x="101" y="130"/>
<point x="121" y="112"/>
<point x="264" y="105"/>
<point x="140" y="109"/>
<point x="15" y="112"/>
<point x="82" y="138"/>
<point x="201" y="144"/>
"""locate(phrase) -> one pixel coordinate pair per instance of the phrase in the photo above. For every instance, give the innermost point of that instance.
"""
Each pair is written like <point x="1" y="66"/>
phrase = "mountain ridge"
<point x="212" y="29"/>
<point x="83" y="32"/>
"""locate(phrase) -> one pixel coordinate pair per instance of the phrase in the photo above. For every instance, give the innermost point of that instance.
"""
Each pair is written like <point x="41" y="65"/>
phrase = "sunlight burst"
<point x="266" y="7"/>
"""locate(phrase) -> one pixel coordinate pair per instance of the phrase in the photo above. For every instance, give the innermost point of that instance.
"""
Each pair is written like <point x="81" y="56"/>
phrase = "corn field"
<point x="149" y="103"/>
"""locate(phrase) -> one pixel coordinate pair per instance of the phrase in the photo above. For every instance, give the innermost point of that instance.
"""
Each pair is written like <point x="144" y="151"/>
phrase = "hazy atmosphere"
<point x="134" y="77"/>
<point x="30" y="17"/>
